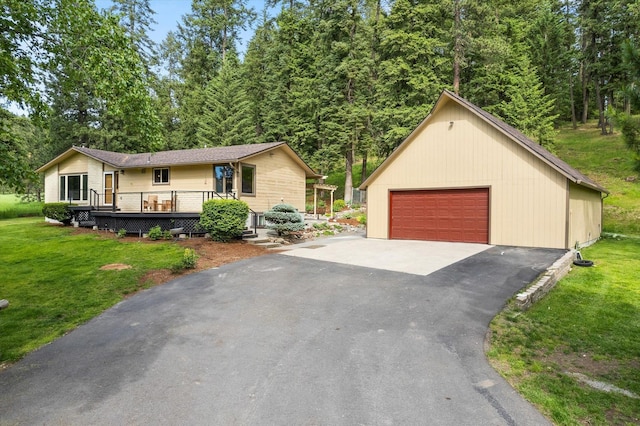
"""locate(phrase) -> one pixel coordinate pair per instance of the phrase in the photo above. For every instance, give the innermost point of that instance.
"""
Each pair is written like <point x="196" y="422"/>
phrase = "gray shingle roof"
<point x="222" y="154"/>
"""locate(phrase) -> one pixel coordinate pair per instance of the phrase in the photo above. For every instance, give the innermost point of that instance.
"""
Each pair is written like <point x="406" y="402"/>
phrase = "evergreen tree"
<point x="526" y="107"/>
<point x="255" y="72"/>
<point x="226" y="118"/>
<point x="136" y="17"/>
<point x="415" y="66"/>
<point x="630" y="125"/>
<point x="207" y="35"/>
<point x="551" y="43"/>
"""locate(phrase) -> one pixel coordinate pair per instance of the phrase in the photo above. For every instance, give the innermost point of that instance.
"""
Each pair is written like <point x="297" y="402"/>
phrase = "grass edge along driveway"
<point x="53" y="280"/>
<point x="589" y="324"/>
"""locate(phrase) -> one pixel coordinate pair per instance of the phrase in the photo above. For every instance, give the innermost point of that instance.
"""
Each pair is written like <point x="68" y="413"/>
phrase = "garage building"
<point x="463" y="175"/>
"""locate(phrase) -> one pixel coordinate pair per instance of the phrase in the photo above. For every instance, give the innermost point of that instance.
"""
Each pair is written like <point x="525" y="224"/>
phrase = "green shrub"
<point x="348" y="215"/>
<point x="355" y="206"/>
<point x="122" y="233"/>
<point x="309" y="208"/>
<point x="188" y="261"/>
<point x="189" y="258"/>
<point x="321" y="203"/>
<point x="339" y="205"/>
<point x="57" y="211"/>
<point x="224" y="219"/>
<point x="155" y="233"/>
<point x="284" y="218"/>
<point x="321" y="226"/>
<point x="362" y="219"/>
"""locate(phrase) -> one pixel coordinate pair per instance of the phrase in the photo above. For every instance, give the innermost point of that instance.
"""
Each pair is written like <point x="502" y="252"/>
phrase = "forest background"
<point x="339" y="80"/>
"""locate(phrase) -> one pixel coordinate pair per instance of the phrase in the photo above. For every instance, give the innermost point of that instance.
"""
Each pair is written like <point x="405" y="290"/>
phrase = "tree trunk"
<point x="601" y="121"/>
<point x="348" y="175"/>
<point x="572" y="103"/>
<point x="457" y="49"/>
<point x="363" y="174"/>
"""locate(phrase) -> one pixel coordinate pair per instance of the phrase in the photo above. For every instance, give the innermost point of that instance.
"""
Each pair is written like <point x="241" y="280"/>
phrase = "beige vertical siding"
<point x="585" y="216"/>
<point x="527" y="198"/>
<point x="278" y="178"/>
<point x="77" y="163"/>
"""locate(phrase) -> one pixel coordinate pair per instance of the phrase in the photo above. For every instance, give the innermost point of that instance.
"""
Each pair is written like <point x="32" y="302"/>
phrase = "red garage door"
<point x="460" y="215"/>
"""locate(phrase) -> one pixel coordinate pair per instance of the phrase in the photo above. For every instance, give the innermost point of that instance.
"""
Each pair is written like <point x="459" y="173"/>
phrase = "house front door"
<point x="108" y="188"/>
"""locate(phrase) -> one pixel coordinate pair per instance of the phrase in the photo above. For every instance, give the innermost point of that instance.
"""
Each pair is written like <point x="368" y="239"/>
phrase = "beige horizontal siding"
<point x="527" y="197"/>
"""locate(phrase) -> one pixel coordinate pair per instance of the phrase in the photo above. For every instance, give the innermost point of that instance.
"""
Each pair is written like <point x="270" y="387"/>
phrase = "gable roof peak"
<point x="506" y="129"/>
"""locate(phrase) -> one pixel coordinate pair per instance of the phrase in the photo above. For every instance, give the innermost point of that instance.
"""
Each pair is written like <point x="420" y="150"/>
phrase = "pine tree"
<point x="136" y="17"/>
<point x="226" y="118"/>
<point x="207" y="35"/>
<point x="415" y="65"/>
<point x="526" y="107"/>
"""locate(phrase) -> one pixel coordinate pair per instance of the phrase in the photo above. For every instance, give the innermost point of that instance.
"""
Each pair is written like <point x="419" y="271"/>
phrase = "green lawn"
<point x="12" y="207"/>
<point x="589" y="324"/>
<point x="53" y="282"/>
<point x="606" y="160"/>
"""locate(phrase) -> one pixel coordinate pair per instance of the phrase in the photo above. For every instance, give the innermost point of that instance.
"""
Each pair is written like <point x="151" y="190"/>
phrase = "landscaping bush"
<point x="224" y="219"/>
<point x="57" y="211"/>
<point x="188" y="261"/>
<point x="339" y="205"/>
<point x="284" y="218"/>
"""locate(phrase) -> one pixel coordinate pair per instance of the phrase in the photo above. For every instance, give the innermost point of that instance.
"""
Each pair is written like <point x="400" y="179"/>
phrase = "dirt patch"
<point x="352" y="222"/>
<point x="115" y="267"/>
<point x="211" y="254"/>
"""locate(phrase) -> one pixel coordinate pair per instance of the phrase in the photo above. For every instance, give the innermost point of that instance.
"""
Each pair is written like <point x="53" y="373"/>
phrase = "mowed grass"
<point x="11" y="207"/>
<point x="53" y="282"/>
<point x="589" y="324"/>
<point x="607" y="160"/>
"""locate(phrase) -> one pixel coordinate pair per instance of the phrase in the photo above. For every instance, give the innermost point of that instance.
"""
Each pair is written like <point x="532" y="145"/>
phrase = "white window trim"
<point x="83" y="190"/>
<point x="153" y="175"/>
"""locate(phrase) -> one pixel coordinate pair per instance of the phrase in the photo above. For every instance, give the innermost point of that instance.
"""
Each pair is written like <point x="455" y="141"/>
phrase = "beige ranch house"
<point x="177" y="182"/>
<point x="465" y="176"/>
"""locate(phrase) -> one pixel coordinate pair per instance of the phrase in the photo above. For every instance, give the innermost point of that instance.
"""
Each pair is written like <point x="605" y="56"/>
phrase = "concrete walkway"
<point x="412" y="257"/>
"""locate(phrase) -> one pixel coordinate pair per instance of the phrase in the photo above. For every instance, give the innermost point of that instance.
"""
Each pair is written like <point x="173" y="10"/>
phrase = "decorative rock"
<point x="4" y="304"/>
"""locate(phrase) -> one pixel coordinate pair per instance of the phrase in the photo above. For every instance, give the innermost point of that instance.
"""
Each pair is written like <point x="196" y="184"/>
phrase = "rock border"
<point x="546" y="281"/>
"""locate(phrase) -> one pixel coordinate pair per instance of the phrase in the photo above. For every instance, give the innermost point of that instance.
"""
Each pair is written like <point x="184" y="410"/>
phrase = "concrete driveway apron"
<point x="283" y="339"/>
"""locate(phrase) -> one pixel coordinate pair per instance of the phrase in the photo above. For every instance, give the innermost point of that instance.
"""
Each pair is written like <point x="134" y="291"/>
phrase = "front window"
<point x="248" y="180"/>
<point x="161" y="176"/>
<point x="224" y="179"/>
<point x="74" y="187"/>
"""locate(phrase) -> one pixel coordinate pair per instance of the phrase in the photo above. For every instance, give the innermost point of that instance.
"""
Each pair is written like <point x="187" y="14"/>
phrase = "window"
<point x="224" y="179"/>
<point x="74" y="187"/>
<point x="161" y="176"/>
<point x="248" y="180"/>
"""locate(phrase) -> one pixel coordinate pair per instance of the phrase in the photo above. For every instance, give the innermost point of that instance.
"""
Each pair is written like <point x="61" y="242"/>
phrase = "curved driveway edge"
<point x="285" y="340"/>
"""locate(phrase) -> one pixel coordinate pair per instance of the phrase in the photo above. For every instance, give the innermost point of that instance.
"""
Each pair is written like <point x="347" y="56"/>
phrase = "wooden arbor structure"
<point x="325" y="187"/>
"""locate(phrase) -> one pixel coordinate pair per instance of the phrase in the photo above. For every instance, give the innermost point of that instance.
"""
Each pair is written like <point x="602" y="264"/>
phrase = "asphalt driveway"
<point x="282" y="339"/>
